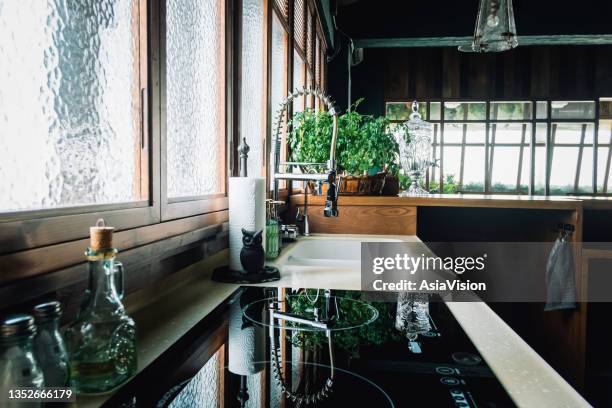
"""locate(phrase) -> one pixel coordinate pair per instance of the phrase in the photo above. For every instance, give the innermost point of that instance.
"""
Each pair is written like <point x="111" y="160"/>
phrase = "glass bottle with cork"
<point x="102" y="342"/>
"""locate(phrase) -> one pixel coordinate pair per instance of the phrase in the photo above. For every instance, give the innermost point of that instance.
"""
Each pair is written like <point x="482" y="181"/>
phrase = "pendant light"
<point x="495" y="28"/>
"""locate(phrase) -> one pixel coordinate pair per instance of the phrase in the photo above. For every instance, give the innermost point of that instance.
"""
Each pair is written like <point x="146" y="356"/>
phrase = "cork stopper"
<point x="100" y="236"/>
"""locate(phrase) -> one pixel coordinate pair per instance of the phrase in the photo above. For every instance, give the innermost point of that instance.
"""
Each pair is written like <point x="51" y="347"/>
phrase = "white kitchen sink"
<point x="329" y="251"/>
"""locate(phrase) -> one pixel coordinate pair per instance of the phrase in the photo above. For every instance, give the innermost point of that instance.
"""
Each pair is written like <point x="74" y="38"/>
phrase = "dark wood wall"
<point x="155" y="253"/>
<point x="563" y="72"/>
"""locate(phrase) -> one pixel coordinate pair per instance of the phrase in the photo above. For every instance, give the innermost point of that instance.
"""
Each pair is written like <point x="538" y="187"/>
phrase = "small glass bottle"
<point x="272" y="230"/>
<point x="18" y="366"/>
<point x="49" y="345"/>
<point x="102" y="342"/>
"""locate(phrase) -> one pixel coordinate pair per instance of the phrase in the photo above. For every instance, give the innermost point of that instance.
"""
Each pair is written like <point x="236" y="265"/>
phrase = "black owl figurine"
<point x="252" y="255"/>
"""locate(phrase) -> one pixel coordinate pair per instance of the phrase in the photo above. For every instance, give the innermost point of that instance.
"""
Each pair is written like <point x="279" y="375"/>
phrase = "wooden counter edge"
<point x="452" y="200"/>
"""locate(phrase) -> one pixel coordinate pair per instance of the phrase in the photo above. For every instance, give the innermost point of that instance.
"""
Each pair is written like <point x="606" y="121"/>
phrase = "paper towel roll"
<point x="247" y="344"/>
<point x="247" y="209"/>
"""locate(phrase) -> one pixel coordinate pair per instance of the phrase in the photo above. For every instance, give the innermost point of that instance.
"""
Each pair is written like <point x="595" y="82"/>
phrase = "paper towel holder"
<point x="243" y="153"/>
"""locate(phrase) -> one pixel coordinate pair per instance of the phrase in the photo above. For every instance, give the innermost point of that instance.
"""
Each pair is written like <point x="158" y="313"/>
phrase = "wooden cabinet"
<point x="365" y="219"/>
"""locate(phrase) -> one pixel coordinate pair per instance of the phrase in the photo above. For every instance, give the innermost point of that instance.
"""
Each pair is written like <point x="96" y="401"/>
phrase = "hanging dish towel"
<point x="560" y="283"/>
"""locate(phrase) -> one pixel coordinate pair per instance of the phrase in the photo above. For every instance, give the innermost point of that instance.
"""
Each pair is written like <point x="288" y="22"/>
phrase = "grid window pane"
<point x="451" y="168"/>
<point x="572" y="158"/>
<point x="508" y="153"/>
<point x="572" y="110"/>
<point x="463" y="157"/>
<point x="605" y="108"/>
<point x="504" y="174"/>
<point x="252" y="92"/>
<point x="195" y="84"/>
<point x="474" y="169"/>
<point x="435" y="111"/>
<point x="510" y="110"/>
<point x="69" y="103"/>
<point x="563" y="170"/>
<point x="465" y="111"/>
<point x="473" y="132"/>
<point x="604" y="157"/>
<point x="402" y="110"/>
<point x="541" y="110"/>
<point x="572" y="133"/>
<point x="566" y="164"/>
<point x="540" y="159"/>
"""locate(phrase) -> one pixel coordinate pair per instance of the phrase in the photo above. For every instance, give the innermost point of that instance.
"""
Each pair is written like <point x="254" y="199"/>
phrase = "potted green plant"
<point x="366" y="150"/>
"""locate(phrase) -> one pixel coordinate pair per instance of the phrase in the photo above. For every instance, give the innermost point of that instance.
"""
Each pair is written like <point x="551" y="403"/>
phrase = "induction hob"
<point x="327" y="348"/>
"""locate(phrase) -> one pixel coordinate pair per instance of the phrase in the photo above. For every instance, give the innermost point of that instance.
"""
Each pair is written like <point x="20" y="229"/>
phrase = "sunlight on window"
<point x="468" y="139"/>
<point x="69" y="103"/>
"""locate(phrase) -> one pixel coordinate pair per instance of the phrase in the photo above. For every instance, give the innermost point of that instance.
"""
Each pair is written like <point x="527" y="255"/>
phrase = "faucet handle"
<point x="331" y="202"/>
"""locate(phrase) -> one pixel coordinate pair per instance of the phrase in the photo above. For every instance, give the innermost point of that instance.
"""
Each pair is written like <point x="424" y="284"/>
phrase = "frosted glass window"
<point x="298" y="80"/>
<point x="279" y="81"/>
<point x="204" y="388"/>
<point x="253" y="81"/>
<point x="195" y="102"/>
<point x="69" y="103"/>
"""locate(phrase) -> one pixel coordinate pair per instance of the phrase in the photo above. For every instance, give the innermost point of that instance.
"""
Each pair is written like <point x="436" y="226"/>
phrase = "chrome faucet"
<point x="331" y="202"/>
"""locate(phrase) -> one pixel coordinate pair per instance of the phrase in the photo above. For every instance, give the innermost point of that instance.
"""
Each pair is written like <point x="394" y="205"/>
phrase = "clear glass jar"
<point x="102" y="342"/>
<point x="49" y="346"/>
<point x="412" y="315"/>
<point x="18" y="366"/>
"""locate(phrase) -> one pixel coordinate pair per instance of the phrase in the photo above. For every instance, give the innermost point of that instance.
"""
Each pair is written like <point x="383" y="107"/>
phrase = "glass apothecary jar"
<point x="49" y="347"/>
<point x="18" y="366"/>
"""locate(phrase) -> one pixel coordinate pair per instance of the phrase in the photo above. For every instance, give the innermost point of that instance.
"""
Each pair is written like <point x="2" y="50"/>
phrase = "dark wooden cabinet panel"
<point x="562" y="72"/>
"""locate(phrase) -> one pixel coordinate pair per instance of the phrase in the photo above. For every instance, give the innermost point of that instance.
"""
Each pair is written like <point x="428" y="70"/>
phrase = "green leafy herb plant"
<point x="365" y="144"/>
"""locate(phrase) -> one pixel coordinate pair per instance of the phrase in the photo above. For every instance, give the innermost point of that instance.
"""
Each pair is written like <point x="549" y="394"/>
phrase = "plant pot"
<point x="379" y="184"/>
<point x="392" y="186"/>
<point x="350" y="185"/>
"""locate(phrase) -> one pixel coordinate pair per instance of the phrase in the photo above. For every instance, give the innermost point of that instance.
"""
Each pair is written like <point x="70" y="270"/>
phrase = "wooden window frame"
<point x="35" y="228"/>
<point x="38" y="241"/>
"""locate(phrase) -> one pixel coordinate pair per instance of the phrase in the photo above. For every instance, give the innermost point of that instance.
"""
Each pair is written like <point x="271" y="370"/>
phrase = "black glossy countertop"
<point x="378" y="359"/>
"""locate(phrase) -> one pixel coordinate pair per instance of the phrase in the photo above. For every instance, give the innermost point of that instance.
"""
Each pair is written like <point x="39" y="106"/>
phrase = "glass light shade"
<point x="495" y="28"/>
<point x="414" y="141"/>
